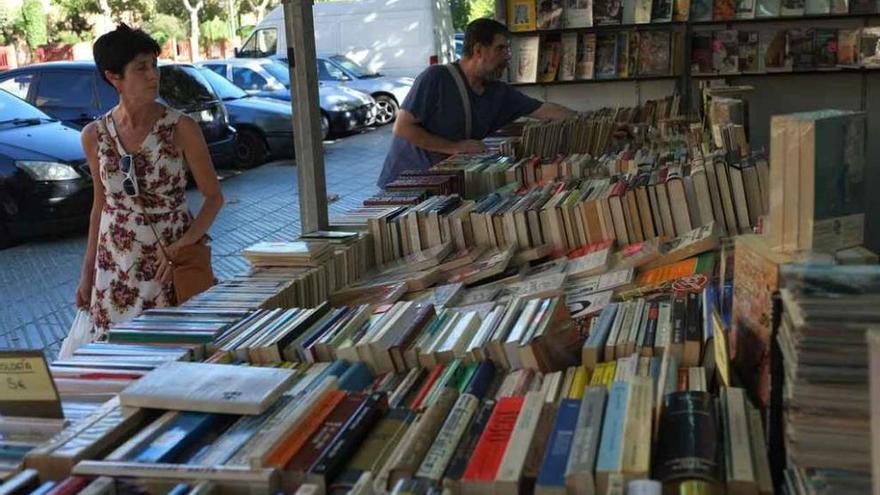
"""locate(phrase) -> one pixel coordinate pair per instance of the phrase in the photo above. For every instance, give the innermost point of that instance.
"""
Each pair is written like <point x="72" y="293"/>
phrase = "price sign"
<point x="26" y="386"/>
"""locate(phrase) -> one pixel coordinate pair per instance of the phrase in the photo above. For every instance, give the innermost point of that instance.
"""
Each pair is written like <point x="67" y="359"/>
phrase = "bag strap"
<point x="465" y="97"/>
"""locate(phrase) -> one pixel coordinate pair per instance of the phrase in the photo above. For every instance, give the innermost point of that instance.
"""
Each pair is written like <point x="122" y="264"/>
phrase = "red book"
<point x="70" y="486"/>
<point x="426" y="387"/>
<point x="320" y="439"/>
<point x="492" y="445"/>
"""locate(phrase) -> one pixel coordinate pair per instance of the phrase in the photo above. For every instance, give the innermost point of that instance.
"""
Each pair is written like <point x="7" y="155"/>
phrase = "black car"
<point x="264" y="125"/>
<point x="45" y="184"/>
<point x="74" y="93"/>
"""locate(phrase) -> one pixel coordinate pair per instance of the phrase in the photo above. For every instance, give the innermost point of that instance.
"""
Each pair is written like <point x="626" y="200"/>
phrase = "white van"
<point x="394" y="37"/>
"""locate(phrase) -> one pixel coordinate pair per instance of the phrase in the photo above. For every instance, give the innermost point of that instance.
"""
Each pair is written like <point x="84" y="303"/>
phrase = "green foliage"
<point x="66" y="37"/>
<point x="10" y="21"/>
<point x="210" y="10"/>
<point x="214" y="30"/>
<point x="74" y="17"/>
<point x="480" y="9"/>
<point x="461" y="11"/>
<point x="245" y="31"/>
<point x="163" y="27"/>
<point x="34" y="23"/>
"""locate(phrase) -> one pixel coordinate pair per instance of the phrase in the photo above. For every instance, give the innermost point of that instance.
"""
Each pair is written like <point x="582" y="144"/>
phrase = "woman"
<point x="138" y="154"/>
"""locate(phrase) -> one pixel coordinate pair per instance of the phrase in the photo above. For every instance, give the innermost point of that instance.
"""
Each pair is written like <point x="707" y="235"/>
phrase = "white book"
<point x="510" y="470"/>
<point x="211" y="388"/>
<point x="524" y="68"/>
<point x="569" y="57"/>
<point x="578" y="13"/>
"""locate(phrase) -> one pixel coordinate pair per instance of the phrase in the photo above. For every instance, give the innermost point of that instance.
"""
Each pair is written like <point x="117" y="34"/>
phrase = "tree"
<point x="214" y="30"/>
<point x="75" y="18"/>
<point x="34" y="23"/>
<point x="10" y="22"/>
<point x="259" y="7"/>
<point x="480" y="9"/>
<point x="461" y="12"/>
<point x="163" y="27"/>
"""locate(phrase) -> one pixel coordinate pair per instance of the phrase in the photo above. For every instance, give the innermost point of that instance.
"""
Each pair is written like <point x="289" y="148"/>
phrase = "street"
<point x="38" y="278"/>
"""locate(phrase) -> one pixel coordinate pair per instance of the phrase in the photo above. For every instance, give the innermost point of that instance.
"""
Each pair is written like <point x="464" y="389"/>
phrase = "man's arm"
<point x="552" y="111"/>
<point x="408" y="127"/>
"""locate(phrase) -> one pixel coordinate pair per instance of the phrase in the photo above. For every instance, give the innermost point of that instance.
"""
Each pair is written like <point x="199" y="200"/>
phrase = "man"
<point x="430" y="125"/>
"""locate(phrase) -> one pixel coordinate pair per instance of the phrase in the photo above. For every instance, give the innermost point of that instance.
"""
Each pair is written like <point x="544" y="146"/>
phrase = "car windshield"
<point x="279" y="71"/>
<point x="12" y="108"/>
<point x="355" y="68"/>
<point x="222" y="86"/>
<point x="184" y="87"/>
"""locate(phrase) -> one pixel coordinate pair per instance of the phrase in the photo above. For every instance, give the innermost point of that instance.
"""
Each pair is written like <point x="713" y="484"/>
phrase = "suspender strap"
<point x="465" y="98"/>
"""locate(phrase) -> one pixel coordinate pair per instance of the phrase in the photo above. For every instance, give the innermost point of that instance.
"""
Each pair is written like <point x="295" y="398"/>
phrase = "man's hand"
<point x="469" y="146"/>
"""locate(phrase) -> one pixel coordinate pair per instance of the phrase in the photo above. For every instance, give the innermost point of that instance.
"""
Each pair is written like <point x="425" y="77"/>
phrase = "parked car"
<point x="74" y="93"/>
<point x="45" y="184"/>
<point x="264" y="125"/>
<point x="389" y="92"/>
<point x="342" y="109"/>
<point x="400" y="38"/>
<point x="459" y="45"/>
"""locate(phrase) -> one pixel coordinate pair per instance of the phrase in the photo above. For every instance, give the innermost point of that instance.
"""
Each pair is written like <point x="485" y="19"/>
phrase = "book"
<point x="702" y="53"/>
<point x="490" y="449"/>
<point x="654" y="53"/>
<point x="549" y="14"/>
<point x="701" y="10"/>
<point x="767" y="8"/>
<point x="745" y="9"/>
<point x="792" y="8"/>
<point x="524" y="67"/>
<point x="869" y="52"/>
<point x="606" y="56"/>
<point x="568" y="63"/>
<point x="662" y="11"/>
<point x="586" y="56"/>
<point x="578" y="14"/>
<point x="801" y="48"/>
<point x="848" y="47"/>
<point x="209" y="388"/>
<point x="681" y="10"/>
<point x="774" y="55"/>
<point x="522" y="15"/>
<point x="510" y="470"/>
<point x="549" y="59"/>
<point x="725" y="53"/>
<point x="749" y="51"/>
<point x="723" y="10"/>
<point x="579" y="475"/>
<point x="551" y="478"/>
<point x="607" y="12"/>
<point x="688" y="446"/>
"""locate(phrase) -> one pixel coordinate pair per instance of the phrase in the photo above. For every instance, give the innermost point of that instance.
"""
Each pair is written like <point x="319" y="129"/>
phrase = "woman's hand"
<point x="166" y="264"/>
<point x="84" y="292"/>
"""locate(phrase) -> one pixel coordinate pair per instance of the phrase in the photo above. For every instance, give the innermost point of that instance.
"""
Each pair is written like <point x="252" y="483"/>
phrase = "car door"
<point x="67" y="95"/>
<point x="107" y="96"/>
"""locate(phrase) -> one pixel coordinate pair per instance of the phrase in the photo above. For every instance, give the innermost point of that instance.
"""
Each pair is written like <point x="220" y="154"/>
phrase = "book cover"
<point x="610" y="458"/>
<point x="654" y="53"/>
<point x="606" y="12"/>
<point x="767" y="8"/>
<point x="839" y="7"/>
<point x="701" y="52"/>
<point x="549" y="59"/>
<point x="521" y="15"/>
<point x="800" y="48"/>
<point x="863" y="6"/>
<point x="579" y="470"/>
<point x="817" y="7"/>
<point x="745" y="9"/>
<point x="681" y="10"/>
<point x="642" y="14"/>
<point x="826" y="48"/>
<point x="689" y="444"/>
<point x="749" y="48"/>
<point x="606" y="56"/>
<point x="869" y="47"/>
<point x="578" y="14"/>
<point x="773" y="49"/>
<point x="524" y="66"/>
<point x="662" y="11"/>
<point x="490" y="449"/>
<point x="568" y="64"/>
<point x="549" y="14"/>
<point x="725" y="51"/>
<point x="724" y="10"/>
<point x="586" y="55"/>
<point x="793" y="8"/>
<point x="848" y="47"/>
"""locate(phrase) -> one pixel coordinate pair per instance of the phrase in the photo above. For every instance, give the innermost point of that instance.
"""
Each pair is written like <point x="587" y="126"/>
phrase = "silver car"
<point x="388" y="91"/>
<point x="343" y="109"/>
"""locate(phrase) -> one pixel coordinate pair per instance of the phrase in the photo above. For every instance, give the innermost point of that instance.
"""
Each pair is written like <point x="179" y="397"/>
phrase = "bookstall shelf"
<point x="801" y="18"/>
<point x="604" y="28"/>
<point x="837" y="70"/>
<point x="594" y="81"/>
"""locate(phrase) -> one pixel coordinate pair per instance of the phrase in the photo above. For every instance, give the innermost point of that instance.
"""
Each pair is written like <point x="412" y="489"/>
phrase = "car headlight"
<point x="48" y="171"/>
<point x="343" y="106"/>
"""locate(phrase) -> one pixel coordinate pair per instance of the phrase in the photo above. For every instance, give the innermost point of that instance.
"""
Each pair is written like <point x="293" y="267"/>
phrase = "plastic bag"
<point x="81" y="332"/>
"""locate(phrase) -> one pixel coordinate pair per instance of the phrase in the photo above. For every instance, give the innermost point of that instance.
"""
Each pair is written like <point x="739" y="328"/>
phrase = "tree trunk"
<point x="194" y="34"/>
<point x="174" y="48"/>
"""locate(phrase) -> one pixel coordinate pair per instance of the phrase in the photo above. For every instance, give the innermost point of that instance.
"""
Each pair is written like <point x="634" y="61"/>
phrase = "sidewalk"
<point x="38" y="279"/>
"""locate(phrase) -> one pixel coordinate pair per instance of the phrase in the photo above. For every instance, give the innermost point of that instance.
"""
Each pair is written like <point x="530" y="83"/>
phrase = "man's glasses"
<point x="129" y="182"/>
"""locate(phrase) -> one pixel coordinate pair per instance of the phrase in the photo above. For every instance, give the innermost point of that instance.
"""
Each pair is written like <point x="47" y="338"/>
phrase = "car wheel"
<point x="386" y="109"/>
<point x="325" y="126"/>
<point x="250" y="149"/>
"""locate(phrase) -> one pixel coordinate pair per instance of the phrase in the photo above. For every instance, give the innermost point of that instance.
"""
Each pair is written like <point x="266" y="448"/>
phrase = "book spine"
<point x="636" y="455"/>
<point x="591" y="353"/>
<point x="693" y="333"/>
<point x="556" y="456"/>
<point x="321" y="439"/>
<point x="510" y="470"/>
<point x="490" y="449"/>
<point x="296" y="437"/>
<point x="688" y="445"/>
<point x="467" y="444"/>
<point x="611" y="444"/>
<point x="185" y="429"/>
<point x="441" y="451"/>
<point x="585" y="444"/>
<point x="254" y="478"/>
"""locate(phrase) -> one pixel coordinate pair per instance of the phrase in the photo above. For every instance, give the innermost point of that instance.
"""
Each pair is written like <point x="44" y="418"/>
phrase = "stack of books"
<point x="281" y="253"/>
<point x="827" y="311"/>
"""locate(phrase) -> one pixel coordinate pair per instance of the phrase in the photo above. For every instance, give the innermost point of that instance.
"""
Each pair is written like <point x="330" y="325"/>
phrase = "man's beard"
<point x="497" y="72"/>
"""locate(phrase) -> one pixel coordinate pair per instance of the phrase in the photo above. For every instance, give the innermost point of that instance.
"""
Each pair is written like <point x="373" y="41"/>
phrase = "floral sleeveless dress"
<point x="128" y="251"/>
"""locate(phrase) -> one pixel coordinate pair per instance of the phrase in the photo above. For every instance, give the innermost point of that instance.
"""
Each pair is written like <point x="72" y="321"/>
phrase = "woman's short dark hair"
<point x="113" y="50"/>
<point x="481" y="31"/>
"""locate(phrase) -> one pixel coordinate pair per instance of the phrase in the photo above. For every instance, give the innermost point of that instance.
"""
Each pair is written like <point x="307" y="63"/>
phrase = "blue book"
<point x="552" y="473"/>
<point x="336" y="368"/>
<point x="593" y="350"/>
<point x="179" y="489"/>
<point x="481" y="380"/>
<point x="356" y="378"/>
<point x="611" y="444"/>
<point x="179" y="436"/>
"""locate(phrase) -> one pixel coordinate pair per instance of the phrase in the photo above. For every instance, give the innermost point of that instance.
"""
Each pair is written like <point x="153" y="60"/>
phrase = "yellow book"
<point x="522" y="15"/>
<point x="598" y="377"/>
<point x="577" y="385"/>
<point x="608" y="379"/>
